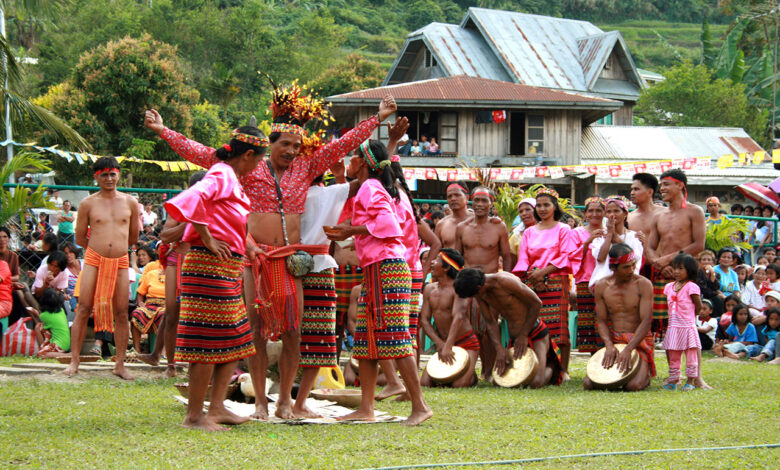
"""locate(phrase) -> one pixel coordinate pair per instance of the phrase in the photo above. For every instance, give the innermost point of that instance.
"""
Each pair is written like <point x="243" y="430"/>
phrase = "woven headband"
<point x="482" y="192"/>
<point x="593" y="199"/>
<point x="106" y="170"/>
<point x="685" y="188"/>
<point x="548" y="192"/>
<point x="446" y="259"/>
<point x="623" y="259"/>
<point x="286" y="128"/>
<point x="249" y="139"/>
<point x="368" y="155"/>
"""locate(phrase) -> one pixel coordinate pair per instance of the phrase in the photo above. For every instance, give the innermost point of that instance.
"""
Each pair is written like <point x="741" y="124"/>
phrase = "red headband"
<point x="106" y="170"/>
<point x="458" y="187"/>
<point x="685" y="188"/>
<point x="482" y="192"/>
<point x="623" y="259"/>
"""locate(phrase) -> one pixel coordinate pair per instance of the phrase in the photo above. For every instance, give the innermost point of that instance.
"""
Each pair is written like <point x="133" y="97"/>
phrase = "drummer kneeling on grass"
<point x="452" y="329"/>
<point x="625" y="300"/>
<point x="504" y="294"/>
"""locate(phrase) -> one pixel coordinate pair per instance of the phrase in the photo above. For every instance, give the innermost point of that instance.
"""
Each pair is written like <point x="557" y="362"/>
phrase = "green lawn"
<point x="102" y="422"/>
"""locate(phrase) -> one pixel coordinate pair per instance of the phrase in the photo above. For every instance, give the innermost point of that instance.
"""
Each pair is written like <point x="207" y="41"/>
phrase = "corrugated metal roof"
<point x="528" y="49"/>
<point x="637" y="143"/>
<point x="471" y="89"/>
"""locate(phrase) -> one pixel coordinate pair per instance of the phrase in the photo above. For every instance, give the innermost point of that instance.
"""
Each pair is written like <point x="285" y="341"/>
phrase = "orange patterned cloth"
<point x="108" y="271"/>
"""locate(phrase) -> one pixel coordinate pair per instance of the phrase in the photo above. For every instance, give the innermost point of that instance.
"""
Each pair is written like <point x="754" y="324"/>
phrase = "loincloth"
<point x="468" y="341"/>
<point x="645" y="348"/>
<point x="105" y="284"/>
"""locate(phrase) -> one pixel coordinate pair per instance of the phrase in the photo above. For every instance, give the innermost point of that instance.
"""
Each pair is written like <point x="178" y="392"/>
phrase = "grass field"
<point x="102" y="422"/>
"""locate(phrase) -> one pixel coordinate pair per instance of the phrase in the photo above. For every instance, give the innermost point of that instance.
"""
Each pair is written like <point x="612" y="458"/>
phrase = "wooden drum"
<point x="520" y="372"/>
<point x="611" y="378"/>
<point x="443" y="373"/>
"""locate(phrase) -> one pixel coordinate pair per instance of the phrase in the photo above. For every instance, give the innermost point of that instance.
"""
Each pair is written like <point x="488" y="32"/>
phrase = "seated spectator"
<point x="769" y="333"/>
<point x="725" y="320"/>
<point x="424" y="144"/>
<point x="742" y="276"/>
<point x="404" y="146"/>
<point x="52" y="331"/>
<point x="150" y="301"/>
<point x="141" y="257"/>
<point x="770" y="254"/>
<point x="737" y="209"/>
<point x="147" y="236"/>
<point x="27" y="243"/>
<point x="729" y="282"/>
<point x="433" y="148"/>
<point x="415" y="151"/>
<point x="8" y="255"/>
<point x="52" y="275"/>
<point x="742" y="338"/>
<point x="752" y="294"/>
<point x="43" y="223"/>
<point x="762" y="261"/>
<point x="773" y="276"/>
<point x="49" y="243"/>
<point x="706" y="325"/>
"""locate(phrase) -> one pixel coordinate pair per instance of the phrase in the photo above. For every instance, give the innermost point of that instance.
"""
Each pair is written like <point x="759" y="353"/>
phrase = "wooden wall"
<point x="562" y="134"/>
<point x="625" y="115"/>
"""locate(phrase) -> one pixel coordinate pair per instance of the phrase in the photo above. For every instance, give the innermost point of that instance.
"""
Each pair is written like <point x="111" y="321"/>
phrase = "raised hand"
<point x="387" y="107"/>
<point x="153" y="121"/>
<point x="397" y="130"/>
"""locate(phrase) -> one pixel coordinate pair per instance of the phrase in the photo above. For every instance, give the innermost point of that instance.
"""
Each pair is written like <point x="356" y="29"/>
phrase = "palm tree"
<point x="22" y="198"/>
<point x="15" y="107"/>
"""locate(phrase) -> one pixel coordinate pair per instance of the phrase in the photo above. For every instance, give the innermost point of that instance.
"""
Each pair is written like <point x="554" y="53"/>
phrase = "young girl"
<point x="52" y="332"/>
<point x="742" y="337"/>
<point x="770" y="333"/>
<point x="684" y="298"/>
<point x="772" y="275"/>
<point x="706" y="325"/>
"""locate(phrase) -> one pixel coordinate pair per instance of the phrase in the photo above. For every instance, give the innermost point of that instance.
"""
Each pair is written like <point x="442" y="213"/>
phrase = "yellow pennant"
<point x="776" y="156"/>
<point x="758" y="157"/>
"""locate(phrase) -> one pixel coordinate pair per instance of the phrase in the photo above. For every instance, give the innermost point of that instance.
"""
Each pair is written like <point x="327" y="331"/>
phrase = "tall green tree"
<point x="352" y="73"/>
<point x="692" y="96"/>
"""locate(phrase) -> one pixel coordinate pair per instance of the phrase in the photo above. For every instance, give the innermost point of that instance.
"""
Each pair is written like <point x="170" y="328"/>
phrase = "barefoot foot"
<point x="261" y="411"/>
<point x="71" y="370"/>
<point x="760" y="358"/>
<point x="305" y="412"/>
<point x="170" y="372"/>
<point x="404" y="397"/>
<point x="148" y="359"/>
<point x="284" y="411"/>
<point x="222" y="416"/>
<point x="122" y="373"/>
<point x="359" y="415"/>
<point x="390" y="391"/>
<point x="418" y="417"/>
<point x="700" y="383"/>
<point x="203" y="423"/>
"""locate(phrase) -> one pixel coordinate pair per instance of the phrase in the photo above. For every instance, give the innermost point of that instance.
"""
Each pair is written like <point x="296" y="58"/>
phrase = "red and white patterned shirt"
<point x="294" y="182"/>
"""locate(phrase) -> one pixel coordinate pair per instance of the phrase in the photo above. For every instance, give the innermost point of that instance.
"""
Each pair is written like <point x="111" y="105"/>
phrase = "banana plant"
<point x="727" y="234"/>
<point x="18" y="202"/>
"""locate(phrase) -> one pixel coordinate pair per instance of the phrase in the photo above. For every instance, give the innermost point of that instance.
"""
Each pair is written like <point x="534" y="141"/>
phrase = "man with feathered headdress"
<point x="296" y="159"/>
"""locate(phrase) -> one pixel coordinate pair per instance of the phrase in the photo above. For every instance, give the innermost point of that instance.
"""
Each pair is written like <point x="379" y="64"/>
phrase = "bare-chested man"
<point x="644" y="187"/>
<point x="452" y="325"/>
<point x="680" y="227"/>
<point x="504" y="294"/>
<point x="483" y="244"/>
<point x="458" y="202"/>
<point x="112" y="220"/>
<point x="624" y="302"/>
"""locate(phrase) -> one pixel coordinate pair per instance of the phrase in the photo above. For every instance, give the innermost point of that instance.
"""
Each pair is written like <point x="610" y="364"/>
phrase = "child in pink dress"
<point x="684" y="298"/>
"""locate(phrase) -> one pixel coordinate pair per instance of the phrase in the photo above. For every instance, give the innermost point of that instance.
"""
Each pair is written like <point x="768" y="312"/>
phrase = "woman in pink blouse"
<point x="588" y="339"/>
<point x="382" y="330"/>
<point x="543" y="263"/>
<point x="213" y="327"/>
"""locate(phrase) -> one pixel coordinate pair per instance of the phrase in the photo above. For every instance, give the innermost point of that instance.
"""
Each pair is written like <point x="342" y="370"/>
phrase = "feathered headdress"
<point x="295" y="103"/>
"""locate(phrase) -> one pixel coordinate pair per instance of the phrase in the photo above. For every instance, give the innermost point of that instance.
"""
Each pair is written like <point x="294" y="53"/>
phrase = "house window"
<point x="535" y="135"/>
<point x="448" y="132"/>
<point x="606" y="120"/>
<point x="443" y="126"/>
<point x="429" y="59"/>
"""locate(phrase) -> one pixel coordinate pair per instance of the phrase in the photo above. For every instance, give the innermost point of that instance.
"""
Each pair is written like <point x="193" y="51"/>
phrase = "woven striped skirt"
<point x="555" y="308"/>
<point x="148" y="317"/>
<point x="588" y="339"/>
<point x="213" y="327"/>
<point x="660" y="306"/>
<point x="416" y="305"/>
<point x="346" y="277"/>
<point x="382" y="330"/>
<point x="318" y="325"/>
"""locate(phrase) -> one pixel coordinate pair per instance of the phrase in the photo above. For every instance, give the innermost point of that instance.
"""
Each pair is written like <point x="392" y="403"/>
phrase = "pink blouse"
<point x="682" y="310"/>
<point x="217" y="201"/>
<point x="582" y="268"/>
<point x="405" y="215"/>
<point x="541" y="248"/>
<point x="295" y="181"/>
<point x="375" y="209"/>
